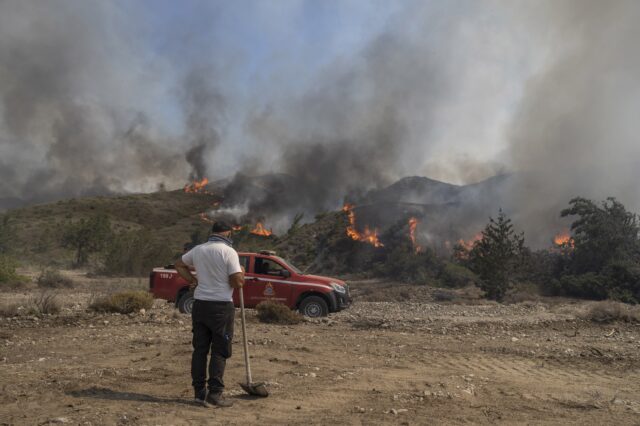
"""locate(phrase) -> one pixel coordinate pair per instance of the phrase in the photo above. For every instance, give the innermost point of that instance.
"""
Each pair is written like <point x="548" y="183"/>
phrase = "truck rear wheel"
<point x="314" y="307"/>
<point x="185" y="303"/>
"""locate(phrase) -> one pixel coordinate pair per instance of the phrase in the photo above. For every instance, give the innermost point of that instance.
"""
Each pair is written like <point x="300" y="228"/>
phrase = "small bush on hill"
<point x="8" y="276"/>
<point x="124" y="302"/>
<point x="135" y="253"/>
<point x="277" y="313"/>
<point x="52" y="278"/>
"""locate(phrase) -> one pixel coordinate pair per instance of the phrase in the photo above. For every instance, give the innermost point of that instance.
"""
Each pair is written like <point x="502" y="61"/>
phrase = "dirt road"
<point x="377" y="363"/>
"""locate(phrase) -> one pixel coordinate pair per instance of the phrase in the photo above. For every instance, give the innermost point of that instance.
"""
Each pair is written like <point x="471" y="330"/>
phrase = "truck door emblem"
<point x="268" y="290"/>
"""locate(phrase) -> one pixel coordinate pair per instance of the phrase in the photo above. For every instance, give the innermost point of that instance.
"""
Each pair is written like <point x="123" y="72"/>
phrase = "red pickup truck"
<point x="267" y="277"/>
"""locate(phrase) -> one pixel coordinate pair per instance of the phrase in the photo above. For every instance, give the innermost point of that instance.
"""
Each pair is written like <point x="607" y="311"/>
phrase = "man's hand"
<point x="236" y="280"/>
<point x="185" y="272"/>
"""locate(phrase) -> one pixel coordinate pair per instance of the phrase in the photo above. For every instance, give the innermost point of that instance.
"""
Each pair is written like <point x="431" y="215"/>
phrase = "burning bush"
<point x="277" y="313"/>
<point x="124" y="302"/>
<point x="52" y="278"/>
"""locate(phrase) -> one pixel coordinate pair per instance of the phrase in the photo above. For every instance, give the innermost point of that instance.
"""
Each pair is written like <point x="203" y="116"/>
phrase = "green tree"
<point x="605" y="259"/>
<point x="135" y="253"/>
<point x="86" y="236"/>
<point x="496" y="256"/>
<point x="602" y="234"/>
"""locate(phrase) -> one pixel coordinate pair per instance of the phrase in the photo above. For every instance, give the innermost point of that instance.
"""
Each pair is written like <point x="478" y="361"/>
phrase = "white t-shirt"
<point x="214" y="262"/>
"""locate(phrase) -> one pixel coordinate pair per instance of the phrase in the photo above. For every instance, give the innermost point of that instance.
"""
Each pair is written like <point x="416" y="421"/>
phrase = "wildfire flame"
<point x="197" y="186"/>
<point x="467" y="245"/>
<point x="237" y="227"/>
<point x="367" y="235"/>
<point x="563" y="239"/>
<point x="259" y="229"/>
<point x="205" y="218"/>
<point x="413" y="224"/>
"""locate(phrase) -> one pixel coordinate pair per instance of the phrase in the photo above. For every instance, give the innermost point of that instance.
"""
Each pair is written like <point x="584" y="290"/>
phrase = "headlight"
<point x="338" y="288"/>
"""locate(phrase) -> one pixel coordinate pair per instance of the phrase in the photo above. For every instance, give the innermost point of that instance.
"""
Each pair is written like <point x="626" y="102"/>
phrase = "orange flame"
<point x="205" y="218"/>
<point x="413" y="224"/>
<point x="467" y="246"/>
<point x="367" y="235"/>
<point x="237" y="228"/>
<point x="197" y="186"/>
<point x="259" y="229"/>
<point x="563" y="239"/>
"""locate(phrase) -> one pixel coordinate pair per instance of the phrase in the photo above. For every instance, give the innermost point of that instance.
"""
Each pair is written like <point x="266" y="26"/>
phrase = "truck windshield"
<point x="296" y="270"/>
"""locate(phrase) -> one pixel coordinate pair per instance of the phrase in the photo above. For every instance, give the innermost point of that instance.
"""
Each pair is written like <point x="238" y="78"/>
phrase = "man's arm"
<point x="185" y="272"/>
<point x="237" y="280"/>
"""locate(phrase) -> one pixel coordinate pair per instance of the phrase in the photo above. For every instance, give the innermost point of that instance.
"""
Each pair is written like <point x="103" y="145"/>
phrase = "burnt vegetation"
<point x="127" y="236"/>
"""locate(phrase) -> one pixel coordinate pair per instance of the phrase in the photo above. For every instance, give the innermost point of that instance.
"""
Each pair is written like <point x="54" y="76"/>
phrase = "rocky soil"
<point x="400" y="362"/>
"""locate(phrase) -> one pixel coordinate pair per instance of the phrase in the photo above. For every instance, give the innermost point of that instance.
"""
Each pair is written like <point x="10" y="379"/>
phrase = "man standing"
<point x="218" y="273"/>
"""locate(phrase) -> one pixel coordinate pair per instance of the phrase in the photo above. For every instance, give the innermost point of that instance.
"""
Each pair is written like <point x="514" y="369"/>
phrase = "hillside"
<point x="172" y="216"/>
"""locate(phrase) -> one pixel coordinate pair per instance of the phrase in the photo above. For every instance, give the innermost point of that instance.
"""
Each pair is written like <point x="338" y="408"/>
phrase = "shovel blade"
<point x="255" y="389"/>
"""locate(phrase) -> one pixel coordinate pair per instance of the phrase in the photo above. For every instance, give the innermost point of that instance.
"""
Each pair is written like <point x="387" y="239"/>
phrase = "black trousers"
<point x="212" y="330"/>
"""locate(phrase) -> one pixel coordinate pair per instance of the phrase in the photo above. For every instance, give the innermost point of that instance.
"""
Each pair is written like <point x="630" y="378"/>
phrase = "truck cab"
<point x="267" y="277"/>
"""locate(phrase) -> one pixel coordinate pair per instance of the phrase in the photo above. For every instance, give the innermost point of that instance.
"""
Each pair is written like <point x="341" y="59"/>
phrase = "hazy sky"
<point x="99" y="97"/>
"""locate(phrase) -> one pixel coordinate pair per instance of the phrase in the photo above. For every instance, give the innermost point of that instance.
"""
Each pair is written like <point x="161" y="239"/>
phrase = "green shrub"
<point x="124" y="302"/>
<point x="134" y="254"/>
<point x="7" y="269"/>
<point x="456" y="276"/>
<point x="52" y="278"/>
<point x="8" y="276"/>
<point x="589" y="285"/>
<point x="277" y="313"/>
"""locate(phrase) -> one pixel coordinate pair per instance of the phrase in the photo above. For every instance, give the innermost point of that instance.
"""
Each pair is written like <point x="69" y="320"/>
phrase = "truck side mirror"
<point x="285" y="273"/>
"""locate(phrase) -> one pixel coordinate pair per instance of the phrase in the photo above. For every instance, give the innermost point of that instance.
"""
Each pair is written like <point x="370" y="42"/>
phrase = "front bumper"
<point x="342" y="300"/>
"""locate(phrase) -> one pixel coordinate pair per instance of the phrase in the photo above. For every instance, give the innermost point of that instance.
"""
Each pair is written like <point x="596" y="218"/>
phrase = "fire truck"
<point x="267" y="277"/>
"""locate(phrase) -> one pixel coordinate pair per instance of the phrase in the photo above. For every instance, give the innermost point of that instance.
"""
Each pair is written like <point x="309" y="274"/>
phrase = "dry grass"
<point x="44" y="303"/>
<point x="608" y="311"/>
<point x="52" y="278"/>
<point x="124" y="302"/>
<point x="277" y="313"/>
<point x="9" y="311"/>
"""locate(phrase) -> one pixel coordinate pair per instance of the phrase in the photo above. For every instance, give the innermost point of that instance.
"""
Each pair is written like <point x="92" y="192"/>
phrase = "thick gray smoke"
<point x="79" y="108"/>
<point x="93" y="102"/>
<point x="576" y="132"/>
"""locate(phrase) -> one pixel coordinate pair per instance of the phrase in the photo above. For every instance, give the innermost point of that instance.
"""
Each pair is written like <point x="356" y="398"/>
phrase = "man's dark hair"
<point x="220" y="227"/>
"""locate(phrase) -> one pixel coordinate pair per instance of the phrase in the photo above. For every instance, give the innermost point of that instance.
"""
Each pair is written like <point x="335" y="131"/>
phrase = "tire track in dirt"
<point x="504" y="365"/>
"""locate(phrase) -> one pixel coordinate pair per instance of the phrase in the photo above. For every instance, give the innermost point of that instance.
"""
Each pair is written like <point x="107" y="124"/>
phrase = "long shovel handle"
<point x="244" y="335"/>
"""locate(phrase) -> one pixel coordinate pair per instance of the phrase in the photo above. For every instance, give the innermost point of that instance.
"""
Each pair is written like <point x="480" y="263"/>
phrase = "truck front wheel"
<point x="185" y="303"/>
<point x="314" y="307"/>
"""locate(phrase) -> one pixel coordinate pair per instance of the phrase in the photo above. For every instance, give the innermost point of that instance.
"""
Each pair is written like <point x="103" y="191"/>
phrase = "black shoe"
<point x="201" y="397"/>
<point x="216" y="398"/>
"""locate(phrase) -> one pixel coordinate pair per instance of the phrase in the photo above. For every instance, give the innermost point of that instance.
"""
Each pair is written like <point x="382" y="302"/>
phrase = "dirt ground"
<point x="399" y="362"/>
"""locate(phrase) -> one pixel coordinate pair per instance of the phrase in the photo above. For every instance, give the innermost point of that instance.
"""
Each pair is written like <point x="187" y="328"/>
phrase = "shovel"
<point x="256" y="389"/>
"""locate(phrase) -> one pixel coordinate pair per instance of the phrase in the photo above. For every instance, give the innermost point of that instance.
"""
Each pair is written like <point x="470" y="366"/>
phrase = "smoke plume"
<point x="576" y="129"/>
<point x="112" y="97"/>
